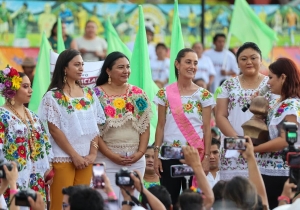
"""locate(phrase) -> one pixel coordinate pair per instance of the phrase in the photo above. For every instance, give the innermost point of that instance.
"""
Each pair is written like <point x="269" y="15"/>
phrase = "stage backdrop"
<point x="22" y="23"/>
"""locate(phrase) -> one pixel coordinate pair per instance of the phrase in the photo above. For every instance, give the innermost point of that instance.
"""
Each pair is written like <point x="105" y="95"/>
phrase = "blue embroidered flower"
<point x="16" y="155"/>
<point x="279" y="166"/>
<point x="141" y="104"/>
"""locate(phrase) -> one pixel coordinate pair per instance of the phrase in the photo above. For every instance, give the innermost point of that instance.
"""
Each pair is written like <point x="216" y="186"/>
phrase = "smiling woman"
<point x="72" y="114"/>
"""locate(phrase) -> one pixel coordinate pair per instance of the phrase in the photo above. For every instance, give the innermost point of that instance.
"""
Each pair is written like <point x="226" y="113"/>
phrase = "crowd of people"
<point x="77" y="127"/>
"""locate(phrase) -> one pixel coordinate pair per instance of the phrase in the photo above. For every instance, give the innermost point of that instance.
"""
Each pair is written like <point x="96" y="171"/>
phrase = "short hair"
<point x="217" y="36"/>
<point x="291" y="85"/>
<point x="218" y="190"/>
<point x="215" y="142"/>
<point x="162" y="194"/>
<point x="86" y="199"/>
<point x="190" y="200"/>
<point x="72" y="189"/>
<point x="150" y="147"/>
<point x="161" y="45"/>
<point x="248" y="45"/>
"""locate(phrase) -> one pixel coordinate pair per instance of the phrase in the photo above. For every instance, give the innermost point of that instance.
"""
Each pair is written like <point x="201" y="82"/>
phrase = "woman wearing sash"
<point x="72" y="113"/>
<point x="184" y="111"/>
<point x="235" y="95"/>
<point x="125" y="134"/>
<point x="284" y="80"/>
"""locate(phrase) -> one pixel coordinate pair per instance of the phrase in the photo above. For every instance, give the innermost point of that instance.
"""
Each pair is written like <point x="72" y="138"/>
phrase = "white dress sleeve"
<point x="160" y="97"/>
<point x="224" y="93"/>
<point x="206" y="98"/>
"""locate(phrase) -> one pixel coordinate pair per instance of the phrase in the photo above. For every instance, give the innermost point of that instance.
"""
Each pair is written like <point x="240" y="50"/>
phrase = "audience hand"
<point x="249" y="152"/>
<point x="39" y="204"/>
<point x="137" y="181"/>
<point x="288" y="189"/>
<point x="11" y="178"/>
<point x="191" y="156"/>
<point x="107" y="187"/>
<point x="205" y="165"/>
<point x="157" y="166"/>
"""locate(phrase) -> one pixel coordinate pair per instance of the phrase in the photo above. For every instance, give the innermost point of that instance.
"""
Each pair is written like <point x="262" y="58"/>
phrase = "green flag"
<point x="2" y="100"/>
<point x="247" y="27"/>
<point x="177" y="42"/>
<point x="41" y="79"/>
<point x="141" y="72"/>
<point x="60" y="40"/>
<point x="114" y="43"/>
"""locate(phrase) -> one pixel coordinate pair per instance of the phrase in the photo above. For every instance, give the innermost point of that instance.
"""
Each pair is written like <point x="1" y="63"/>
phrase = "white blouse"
<point x="76" y="117"/>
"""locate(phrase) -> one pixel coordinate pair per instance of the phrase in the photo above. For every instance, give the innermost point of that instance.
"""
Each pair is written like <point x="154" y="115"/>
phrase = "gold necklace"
<point x="243" y="79"/>
<point x="32" y="137"/>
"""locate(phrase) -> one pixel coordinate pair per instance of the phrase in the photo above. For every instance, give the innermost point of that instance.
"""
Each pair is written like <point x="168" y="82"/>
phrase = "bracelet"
<point x="12" y="192"/>
<point x="141" y="152"/>
<point x="112" y="194"/>
<point x="130" y="203"/>
<point x="95" y="144"/>
<point x="157" y="148"/>
<point x="284" y="198"/>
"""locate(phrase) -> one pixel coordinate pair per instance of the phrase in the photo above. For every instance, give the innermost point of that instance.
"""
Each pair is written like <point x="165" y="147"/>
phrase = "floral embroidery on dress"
<point x="283" y="107"/>
<point x="199" y="107"/>
<point x="205" y="94"/>
<point x="188" y="107"/>
<point x="83" y="103"/>
<point x="176" y="143"/>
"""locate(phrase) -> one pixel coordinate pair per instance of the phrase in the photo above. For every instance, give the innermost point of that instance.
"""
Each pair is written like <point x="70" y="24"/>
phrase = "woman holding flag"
<point x="184" y="111"/>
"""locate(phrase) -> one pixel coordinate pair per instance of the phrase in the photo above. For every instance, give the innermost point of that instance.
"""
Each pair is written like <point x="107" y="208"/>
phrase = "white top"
<point x="238" y="98"/>
<point x="213" y="180"/>
<point x="2" y="202"/>
<point x="151" y="49"/>
<point x="192" y="107"/>
<point x="76" y="117"/>
<point x="271" y="163"/>
<point x="218" y="58"/>
<point x="205" y="69"/>
<point x="160" y="69"/>
<point x="98" y="44"/>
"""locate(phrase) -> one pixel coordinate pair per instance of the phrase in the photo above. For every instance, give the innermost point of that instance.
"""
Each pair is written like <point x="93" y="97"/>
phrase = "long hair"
<point x="59" y="71"/>
<point x="180" y="55"/>
<point x="109" y="62"/>
<point x="52" y="34"/>
<point x="291" y="85"/>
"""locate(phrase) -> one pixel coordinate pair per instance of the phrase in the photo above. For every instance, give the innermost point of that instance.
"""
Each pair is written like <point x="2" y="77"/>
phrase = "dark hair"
<point x="52" y="34"/>
<point x="217" y="36"/>
<point x="150" y="147"/>
<point x="218" y="190"/>
<point x="62" y="62"/>
<point x="161" y="45"/>
<point x="240" y="191"/>
<point x="109" y="62"/>
<point x="72" y="189"/>
<point x="22" y="74"/>
<point x="180" y="55"/>
<point x="197" y="43"/>
<point x="190" y="200"/>
<point x="248" y="45"/>
<point x="162" y="194"/>
<point x="291" y="85"/>
<point x="222" y="82"/>
<point x="200" y="79"/>
<point x="25" y="4"/>
<point x="87" y="198"/>
<point x="215" y="142"/>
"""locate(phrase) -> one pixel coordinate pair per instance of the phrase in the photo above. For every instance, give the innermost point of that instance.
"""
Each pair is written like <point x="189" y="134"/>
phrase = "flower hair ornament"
<point x="10" y="82"/>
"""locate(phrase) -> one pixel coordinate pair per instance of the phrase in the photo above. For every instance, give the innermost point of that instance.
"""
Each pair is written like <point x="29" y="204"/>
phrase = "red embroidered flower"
<point x="110" y="111"/>
<point x="2" y="127"/>
<point x="22" y="151"/>
<point x="1" y="141"/>
<point x="136" y="90"/>
<point x="58" y="95"/>
<point x="20" y="140"/>
<point x="35" y="188"/>
<point x="41" y="182"/>
<point x="82" y="102"/>
<point x="283" y="105"/>
<point x="13" y="72"/>
<point x="129" y="107"/>
<point x="37" y="135"/>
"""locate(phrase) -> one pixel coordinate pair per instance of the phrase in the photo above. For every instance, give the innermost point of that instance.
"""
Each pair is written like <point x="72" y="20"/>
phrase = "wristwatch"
<point x="157" y="148"/>
<point x="130" y="203"/>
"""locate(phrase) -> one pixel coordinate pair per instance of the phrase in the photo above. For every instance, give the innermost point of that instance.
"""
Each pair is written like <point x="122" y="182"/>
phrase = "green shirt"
<point x="4" y="15"/>
<point x="21" y="24"/>
<point x="53" y="42"/>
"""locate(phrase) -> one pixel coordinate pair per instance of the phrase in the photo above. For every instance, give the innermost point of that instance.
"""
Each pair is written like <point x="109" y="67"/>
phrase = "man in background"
<point x="213" y="175"/>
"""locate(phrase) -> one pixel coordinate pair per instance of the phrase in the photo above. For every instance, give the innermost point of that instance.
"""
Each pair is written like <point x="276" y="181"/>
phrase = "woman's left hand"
<point x="135" y="157"/>
<point x="49" y="182"/>
<point x="90" y="158"/>
<point x="205" y="165"/>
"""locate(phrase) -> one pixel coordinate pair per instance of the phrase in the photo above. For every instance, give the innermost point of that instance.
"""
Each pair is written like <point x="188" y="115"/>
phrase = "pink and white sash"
<point x="183" y="123"/>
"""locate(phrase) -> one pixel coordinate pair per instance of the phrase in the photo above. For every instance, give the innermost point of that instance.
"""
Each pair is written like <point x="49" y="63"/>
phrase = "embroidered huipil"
<point x="76" y="117"/>
<point x="14" y="146"/>
<point x="237" y="99"/>
<point x="271" y="163"/>
<point x="127" y="116"/>
<point x="192" y="108"/>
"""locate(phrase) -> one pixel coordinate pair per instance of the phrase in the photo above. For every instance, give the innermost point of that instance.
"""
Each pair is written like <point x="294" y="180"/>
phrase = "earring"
<point x="109" y="80"/>
<point x="65" y="78"/>
<point x="12" y="101"/>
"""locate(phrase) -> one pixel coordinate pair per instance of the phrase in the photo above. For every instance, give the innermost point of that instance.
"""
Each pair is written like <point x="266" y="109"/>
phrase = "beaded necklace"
<point x="31" y="132"/>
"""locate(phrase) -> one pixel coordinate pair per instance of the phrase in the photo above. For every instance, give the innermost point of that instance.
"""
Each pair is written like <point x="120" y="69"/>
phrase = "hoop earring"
<point x="65" y="78"/>
<point x="12" y="101"/>
<point x="109" y="80"/>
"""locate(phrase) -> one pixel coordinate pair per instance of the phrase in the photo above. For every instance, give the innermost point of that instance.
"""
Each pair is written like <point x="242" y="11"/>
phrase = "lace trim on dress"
<point x="62" y="160"/>
<point x="140" y="125"/>
<point x="274" y="172"/>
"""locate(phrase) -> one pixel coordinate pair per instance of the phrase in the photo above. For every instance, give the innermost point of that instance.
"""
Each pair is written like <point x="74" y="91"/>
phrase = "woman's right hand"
<point x="157" y="166"/>
<point x="79" y="162"/>
<point x="119" y="159"/>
